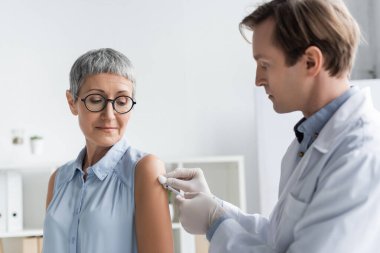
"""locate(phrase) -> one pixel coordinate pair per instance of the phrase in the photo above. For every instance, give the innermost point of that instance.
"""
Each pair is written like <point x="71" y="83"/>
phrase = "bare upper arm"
<point x="50" y="192"/>
<point x="153" y="225"/>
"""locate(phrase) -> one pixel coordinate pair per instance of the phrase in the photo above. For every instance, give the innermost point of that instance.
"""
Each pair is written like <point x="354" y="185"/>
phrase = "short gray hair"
<point x="103" y="60"/>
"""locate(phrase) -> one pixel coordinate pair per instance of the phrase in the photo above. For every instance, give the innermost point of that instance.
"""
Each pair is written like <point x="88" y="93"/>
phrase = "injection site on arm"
<point x="163" y="181"/>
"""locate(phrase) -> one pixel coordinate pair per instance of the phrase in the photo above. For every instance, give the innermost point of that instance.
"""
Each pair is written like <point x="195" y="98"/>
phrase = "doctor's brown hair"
<point x="326" y="24"/>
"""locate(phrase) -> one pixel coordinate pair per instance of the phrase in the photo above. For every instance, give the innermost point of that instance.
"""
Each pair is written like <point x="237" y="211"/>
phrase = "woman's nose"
<point x="108" y="111"/>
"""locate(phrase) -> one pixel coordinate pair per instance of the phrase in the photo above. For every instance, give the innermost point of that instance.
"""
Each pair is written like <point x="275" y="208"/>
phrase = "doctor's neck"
<point x="323" y="91"/>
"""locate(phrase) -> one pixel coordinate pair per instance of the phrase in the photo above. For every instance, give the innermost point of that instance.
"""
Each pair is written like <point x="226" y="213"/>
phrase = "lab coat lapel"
<point x="314" y="160"/>
<point x="299" y="177"/>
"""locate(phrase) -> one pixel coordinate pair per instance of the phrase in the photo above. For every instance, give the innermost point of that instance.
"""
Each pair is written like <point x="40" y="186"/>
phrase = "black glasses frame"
<point x="107" y="100"/>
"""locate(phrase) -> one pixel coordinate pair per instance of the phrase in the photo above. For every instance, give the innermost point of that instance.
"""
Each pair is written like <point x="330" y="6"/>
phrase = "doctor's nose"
<point x="259" y="80"/>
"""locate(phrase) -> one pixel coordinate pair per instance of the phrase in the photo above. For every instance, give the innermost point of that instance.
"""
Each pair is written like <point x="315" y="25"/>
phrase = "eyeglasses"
<point x="97" y="103"/>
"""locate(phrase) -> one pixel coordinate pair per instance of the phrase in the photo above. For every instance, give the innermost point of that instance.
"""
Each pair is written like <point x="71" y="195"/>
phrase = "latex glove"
<point x="197" y="211"/>
<point x="188" y="180"/>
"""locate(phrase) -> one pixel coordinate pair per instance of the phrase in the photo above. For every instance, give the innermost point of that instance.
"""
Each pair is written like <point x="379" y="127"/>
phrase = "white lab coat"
<point x="329" y="202"/>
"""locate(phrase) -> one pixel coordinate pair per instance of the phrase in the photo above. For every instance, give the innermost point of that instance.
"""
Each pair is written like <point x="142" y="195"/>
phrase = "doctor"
<point x="329" y="196"/>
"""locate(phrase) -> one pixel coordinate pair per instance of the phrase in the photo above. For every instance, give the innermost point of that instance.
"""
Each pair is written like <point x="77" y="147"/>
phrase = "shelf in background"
<point x="206" y="159"/>
<point x="30" y="165"/>
<point x="22" y="233"/>
<point x="38" y="232"/>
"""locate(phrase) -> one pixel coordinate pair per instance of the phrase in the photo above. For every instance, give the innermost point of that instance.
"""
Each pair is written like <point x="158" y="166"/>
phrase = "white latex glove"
<point x="188" y="180"/>
<point x="197" y="211"/>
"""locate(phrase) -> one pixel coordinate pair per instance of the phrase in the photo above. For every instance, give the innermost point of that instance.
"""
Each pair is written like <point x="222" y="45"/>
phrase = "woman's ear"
<point x="314" y="60"/>
<point x="71" y="102"/>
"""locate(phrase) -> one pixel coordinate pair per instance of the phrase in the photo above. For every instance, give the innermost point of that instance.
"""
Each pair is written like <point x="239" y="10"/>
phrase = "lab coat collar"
<point x="350" y="112"/>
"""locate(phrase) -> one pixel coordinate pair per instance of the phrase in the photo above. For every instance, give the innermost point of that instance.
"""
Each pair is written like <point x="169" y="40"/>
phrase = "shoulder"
<point x="362" y="135"/>
<point x="64" y="173"/>
<point x="129" y="163"/>
<point x="134" y="155"/>
<point x="361" y="140"/>
<point x="130" y="160"/>
<point x="66" y="167"/>
<point x="52" y="181"/>
<point x="150" y="166"/>
<point x="357" y="154"/>
<point x="50" y="192"/>
<point x="60" y="176"/>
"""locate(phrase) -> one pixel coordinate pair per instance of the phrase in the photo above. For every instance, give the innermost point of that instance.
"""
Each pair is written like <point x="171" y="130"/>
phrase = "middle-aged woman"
<point x="108" y="198"/>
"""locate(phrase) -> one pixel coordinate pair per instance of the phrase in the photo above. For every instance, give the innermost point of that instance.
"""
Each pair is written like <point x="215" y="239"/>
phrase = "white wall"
<point x="364" y="63"/>
<point x="195" y="75"/>
<point x="375" y="27"/>
<point x="368" y="58"/>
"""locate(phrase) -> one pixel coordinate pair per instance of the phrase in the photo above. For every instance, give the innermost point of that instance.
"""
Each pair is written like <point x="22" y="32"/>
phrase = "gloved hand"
<point x="197" y="211"/>
<point x="188" y="180"/>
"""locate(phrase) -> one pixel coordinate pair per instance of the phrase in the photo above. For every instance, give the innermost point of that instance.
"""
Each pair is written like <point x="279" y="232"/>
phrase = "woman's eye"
<point x="121" y="103"/>
<point x="96" y="99"/>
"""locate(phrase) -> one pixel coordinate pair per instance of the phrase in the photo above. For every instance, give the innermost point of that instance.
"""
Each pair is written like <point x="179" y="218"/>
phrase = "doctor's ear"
<point x="71" y="102"/>
<point x="314" y="60"/>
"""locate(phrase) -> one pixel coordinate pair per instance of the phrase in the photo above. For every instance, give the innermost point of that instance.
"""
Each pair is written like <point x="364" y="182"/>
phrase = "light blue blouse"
<point x="96" y="215"/>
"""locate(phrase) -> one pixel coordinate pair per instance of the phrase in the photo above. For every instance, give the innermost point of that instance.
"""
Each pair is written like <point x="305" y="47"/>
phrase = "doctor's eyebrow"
<point x="260" y="56"/>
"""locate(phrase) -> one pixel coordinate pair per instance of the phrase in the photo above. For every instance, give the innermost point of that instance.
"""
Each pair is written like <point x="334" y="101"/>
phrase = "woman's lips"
<point x="107" y="129"/>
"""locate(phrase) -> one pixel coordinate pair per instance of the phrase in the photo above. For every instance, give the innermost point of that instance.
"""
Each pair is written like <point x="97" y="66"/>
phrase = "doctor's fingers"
<point x="184" y="173"/>
<point x="180" y="199"/>
<point x="186" y="186"/>
<point x="194" y="211"/>
<point x="185" y="202"/>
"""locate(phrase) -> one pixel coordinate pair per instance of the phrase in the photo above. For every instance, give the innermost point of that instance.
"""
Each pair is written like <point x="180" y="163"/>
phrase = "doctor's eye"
<point x="263" y="65"/>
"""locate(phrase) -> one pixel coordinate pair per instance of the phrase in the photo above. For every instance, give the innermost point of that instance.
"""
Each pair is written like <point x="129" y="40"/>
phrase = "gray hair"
<point x="103" y="60"/>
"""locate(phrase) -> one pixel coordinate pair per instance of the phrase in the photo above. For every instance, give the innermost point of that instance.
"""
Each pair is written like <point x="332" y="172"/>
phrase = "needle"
<point x="163" y="181"/>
